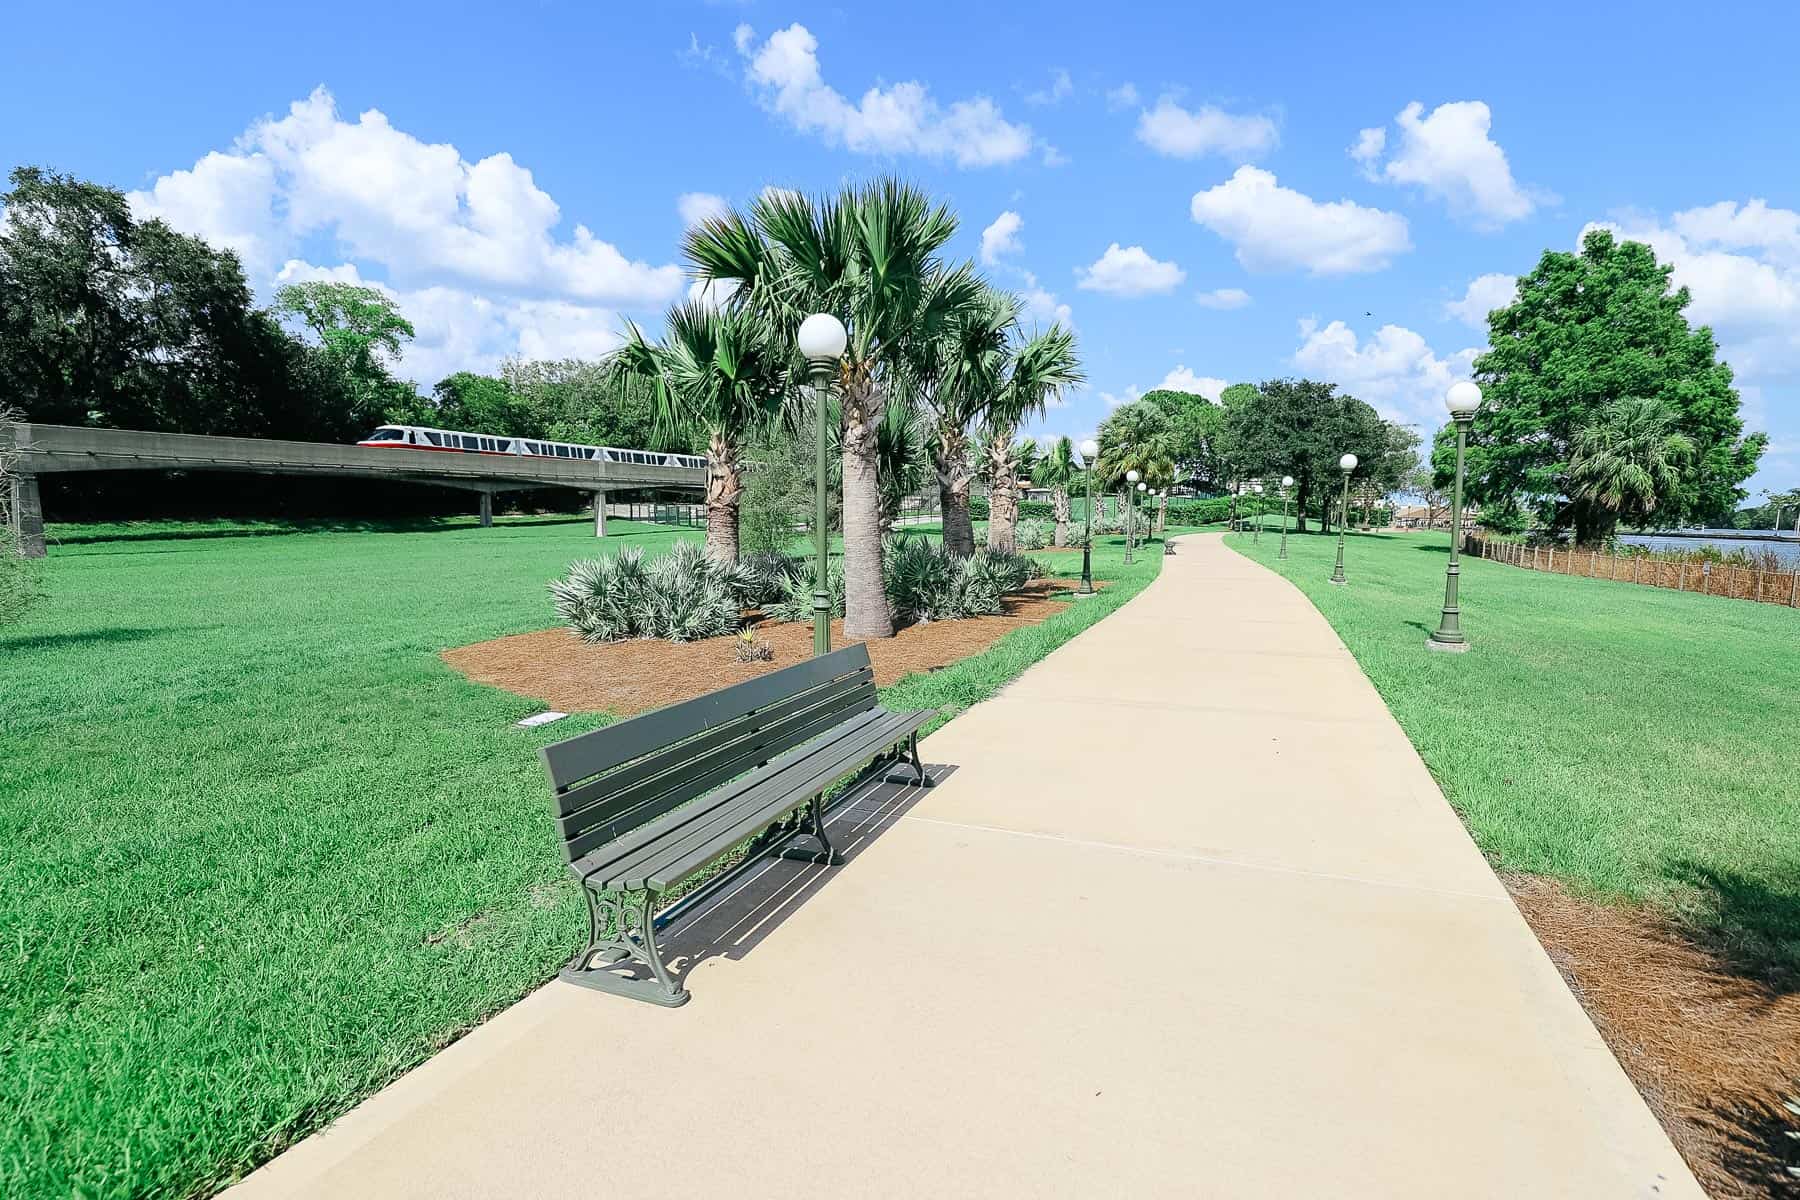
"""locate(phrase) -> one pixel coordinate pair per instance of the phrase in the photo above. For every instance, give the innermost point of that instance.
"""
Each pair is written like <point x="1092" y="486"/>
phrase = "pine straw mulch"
<point x="1713" y="1050"/>
<point x="625" y="678"/>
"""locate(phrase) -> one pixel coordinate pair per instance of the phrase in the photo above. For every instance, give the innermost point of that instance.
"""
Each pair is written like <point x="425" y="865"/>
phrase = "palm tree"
<point x="1035" y="372"/>
<point x="871" y="257"/>
<point x="905" y="457"/>
<point x="1058" y="472"/>
<point x="1135" y="438"/>
<point x="1625" y="465"/>
<point x="721" y="373"/>
<point x="952" y="378"/>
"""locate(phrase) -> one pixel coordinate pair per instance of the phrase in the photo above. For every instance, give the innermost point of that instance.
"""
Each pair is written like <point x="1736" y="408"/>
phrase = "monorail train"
<point x="417" y="437"/>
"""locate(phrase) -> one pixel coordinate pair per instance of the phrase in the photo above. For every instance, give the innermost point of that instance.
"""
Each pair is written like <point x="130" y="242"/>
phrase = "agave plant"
<point x="681" y="596"/>
<point x="796" y="600"/>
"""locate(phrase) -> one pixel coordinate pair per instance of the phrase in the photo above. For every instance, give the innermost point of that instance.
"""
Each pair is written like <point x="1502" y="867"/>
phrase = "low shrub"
<point x="681" y="596"/>
<point x="1205" y="512"/>
<point x="1034" y="534"/>
<point x="926" y="582"/>
<point x="796" y="600"/>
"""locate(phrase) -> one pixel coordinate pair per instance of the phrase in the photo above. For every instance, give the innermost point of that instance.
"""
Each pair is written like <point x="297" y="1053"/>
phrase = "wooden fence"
<point x="1731" y="581"/>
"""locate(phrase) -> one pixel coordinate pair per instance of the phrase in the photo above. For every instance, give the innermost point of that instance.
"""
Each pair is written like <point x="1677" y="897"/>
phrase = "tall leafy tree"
<point x="362" y="333"/>
<point x="108" y="320"/>
<point x="1301" y="427"/>
<point x="722" y="373"/>
<point x="1589" y="329"/>
<point x="1196" y="437"/>
<point x="1058" y="471"/>
<point x="873" y="257"/>
<point x="1629" y="462"/>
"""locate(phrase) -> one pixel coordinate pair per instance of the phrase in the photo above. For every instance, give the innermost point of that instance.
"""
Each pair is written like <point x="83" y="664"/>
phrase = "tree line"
<point x="1258" y="433"/>
<point x="109" y="320"/>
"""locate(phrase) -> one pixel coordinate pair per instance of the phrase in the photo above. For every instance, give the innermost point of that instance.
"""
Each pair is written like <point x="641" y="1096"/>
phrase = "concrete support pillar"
<point x="599" y="514"/>
<point x="487" y="509"/>
<point x="27" y="515"/>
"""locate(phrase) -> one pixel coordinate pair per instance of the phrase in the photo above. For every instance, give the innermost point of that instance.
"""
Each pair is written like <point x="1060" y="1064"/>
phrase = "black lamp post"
<point x="1463" y="399"/>
<point x="1287" y="481"/>
<point x="822" y="341"/>
<point x="1090" y="451"/>
<point x="1346" y="464"/>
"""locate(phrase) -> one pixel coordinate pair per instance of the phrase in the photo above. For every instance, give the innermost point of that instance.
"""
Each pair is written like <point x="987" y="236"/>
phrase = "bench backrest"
<point x="612" y="780"/>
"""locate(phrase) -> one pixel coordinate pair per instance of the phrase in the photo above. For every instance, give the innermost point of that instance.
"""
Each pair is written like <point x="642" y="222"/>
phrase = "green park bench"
<point x="650" y="802"/>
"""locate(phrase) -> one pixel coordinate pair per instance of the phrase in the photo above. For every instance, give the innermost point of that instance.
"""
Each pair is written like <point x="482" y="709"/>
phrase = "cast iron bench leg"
<point x="824" y="855"/>
<point x="919" y="777"/>
<point x="623" y="947"/>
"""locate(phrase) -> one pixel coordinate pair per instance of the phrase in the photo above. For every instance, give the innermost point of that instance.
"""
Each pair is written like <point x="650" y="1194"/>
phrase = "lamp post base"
<point x="1336" y="580"/>
<point x="1432" y="643"/>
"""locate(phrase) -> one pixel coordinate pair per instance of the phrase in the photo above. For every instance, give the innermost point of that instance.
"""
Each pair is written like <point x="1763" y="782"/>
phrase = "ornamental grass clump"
<point x="927" y="582"/>
<point x="681" y="596"/>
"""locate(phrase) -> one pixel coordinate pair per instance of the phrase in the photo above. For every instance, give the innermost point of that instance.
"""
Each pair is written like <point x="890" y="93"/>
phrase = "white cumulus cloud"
<point x="1485" y="293"/>
<point x="1002" y="237"/>
<point x="1181" y="379"/>
<point x="1448" y="153"/>
<point x="1752" y="300"/>
<point x="1394" y="369"/>
<point x="474" y="251"/>
<point x="1041" y="307"/>
<point x="1223" y="298"/>
<point x="1170" y="129"/>
<point x="1275" y="228"/>
<point x="1129" y="271"/>
<point x="696" y="207"/>
<point x="901" y="119"/>
<point x="1123" y="96"/>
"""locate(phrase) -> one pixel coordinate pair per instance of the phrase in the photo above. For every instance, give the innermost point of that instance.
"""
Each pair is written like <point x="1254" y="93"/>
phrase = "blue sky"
<point x="1208" y="195"/>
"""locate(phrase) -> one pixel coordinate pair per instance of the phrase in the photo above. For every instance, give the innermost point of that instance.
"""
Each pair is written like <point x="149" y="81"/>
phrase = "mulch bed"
<point x="624" y="678"/>
<point x="1713" y="1051"/>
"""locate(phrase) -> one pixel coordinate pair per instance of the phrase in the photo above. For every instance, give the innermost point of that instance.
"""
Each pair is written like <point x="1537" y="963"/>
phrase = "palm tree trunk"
<point x="1059" y="504"/>
<point x="866" y="610"/>
<point x="1003" y="496"/>
<point x="954" y="478"/>
<point x="724" y="491"/>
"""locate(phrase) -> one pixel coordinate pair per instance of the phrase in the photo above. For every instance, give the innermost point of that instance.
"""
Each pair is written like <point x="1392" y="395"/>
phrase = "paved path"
<point x="1187" y="917"/>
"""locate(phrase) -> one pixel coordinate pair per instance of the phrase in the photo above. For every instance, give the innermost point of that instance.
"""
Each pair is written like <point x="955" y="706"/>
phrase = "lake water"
<point x="1786" y="547"/>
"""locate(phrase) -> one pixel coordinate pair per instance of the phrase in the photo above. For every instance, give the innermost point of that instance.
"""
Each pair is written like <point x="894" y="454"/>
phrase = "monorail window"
<point x="562" y="452"/>
<point x="471" y="442"/>
<point x="388" y="435"/>
<point x="433" y="438"/>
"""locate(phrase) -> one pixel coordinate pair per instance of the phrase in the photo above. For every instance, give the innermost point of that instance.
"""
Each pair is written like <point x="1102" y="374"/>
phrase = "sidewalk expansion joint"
<point x="1208" y="859"/>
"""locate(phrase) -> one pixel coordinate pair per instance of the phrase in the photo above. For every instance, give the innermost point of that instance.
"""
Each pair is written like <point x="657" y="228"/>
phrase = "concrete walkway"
<point x="1186" y="917"/>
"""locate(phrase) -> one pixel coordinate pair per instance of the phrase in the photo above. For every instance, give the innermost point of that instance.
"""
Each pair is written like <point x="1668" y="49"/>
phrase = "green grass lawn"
<point x="264" y="851"/>
<point x="1637" y="743"/>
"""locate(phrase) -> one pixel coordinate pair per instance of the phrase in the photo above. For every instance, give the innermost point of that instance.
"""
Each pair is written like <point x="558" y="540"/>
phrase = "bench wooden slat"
<point x="602" y="858"/>
<point x="775" y="793"/>
<point x="679" y="859"/>
<point x="696" y="780"/>
<point x="617" y="791"/>
<point x="571" y="761"/>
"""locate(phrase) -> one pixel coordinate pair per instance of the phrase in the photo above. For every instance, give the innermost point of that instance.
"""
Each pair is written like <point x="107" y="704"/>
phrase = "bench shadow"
<point x="735" y="921"/>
